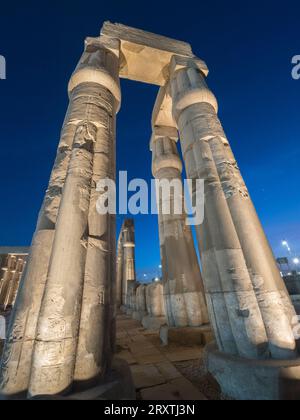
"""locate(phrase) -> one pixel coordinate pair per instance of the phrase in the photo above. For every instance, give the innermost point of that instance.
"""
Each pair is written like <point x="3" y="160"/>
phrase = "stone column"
<point x="183" y="287"/>
<point x="96" y="343"/>
<point x="120" y="262"/>
<point x="156" y="310"/>
<point x="129" y="274"/>
<point x="70" y="243"/>
<point x="16" y="361"/>
<point x="141" y="306"/>
<point x="76" y="309"/>
<point x="250" y="309"/>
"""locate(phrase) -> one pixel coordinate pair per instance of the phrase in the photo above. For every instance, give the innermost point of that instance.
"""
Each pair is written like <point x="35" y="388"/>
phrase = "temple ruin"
<point x="61" y="338"/>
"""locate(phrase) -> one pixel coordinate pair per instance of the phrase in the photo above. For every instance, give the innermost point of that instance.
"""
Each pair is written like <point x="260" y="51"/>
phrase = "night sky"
<point x="248" y="47"/>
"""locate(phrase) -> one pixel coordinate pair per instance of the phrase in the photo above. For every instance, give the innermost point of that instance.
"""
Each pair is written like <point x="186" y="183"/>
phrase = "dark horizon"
<point x="248" y="49"/>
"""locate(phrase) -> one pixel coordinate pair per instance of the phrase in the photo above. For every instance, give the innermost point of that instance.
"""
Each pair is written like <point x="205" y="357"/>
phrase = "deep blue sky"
<point x="248" y="47"/>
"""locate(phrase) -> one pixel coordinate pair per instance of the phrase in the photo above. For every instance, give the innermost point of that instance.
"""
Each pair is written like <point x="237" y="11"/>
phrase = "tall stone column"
<point x="129" y="274"/>
<point x="156" y="308"/>
<point x="183" y="287"/>
<point x="249" y="306"/>
<point x="141" y="304"/>
<point x="70" y="274"/>
<point x="120" y="262"/>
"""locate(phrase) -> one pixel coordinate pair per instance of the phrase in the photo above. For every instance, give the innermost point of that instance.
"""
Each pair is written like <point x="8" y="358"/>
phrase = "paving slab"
<point x="179" y="389"/>
<point x="168" y="370"/>
<point x="146" y="376"/>
<point x="183" y="354"/>
<point x="127" y="356"/>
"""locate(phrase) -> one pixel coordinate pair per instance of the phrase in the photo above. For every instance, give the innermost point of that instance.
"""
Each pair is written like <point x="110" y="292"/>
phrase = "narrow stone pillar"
<point x="156" y="309"/>
<point x="120" y="262"/>
<point x="131" y="297"/>
<point x="249" y="307"/>
<point x="129" y="274"/>
<point x="183" y="287"/>
<point x="141" y="306"/>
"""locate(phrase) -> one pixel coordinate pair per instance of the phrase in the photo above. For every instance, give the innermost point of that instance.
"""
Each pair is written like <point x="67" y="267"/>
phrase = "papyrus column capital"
<point x="188" y="85"/>
<point x="99" y="64"/>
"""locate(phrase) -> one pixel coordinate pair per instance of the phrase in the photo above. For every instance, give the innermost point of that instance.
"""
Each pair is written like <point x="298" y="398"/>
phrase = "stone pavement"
<point x="153" y="366"/>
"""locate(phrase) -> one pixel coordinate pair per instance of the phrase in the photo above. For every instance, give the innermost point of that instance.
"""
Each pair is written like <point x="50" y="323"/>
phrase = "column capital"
<point x="99" y="64"/>
<point x="181" y="63"/>
<point x="188" y="85"/>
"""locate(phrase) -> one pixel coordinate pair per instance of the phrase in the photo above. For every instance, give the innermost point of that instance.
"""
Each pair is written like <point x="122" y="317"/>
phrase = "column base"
<point x="296" y="303"/>
<point x="123" y="309"/>
<point x="129" y="311"/>
<point x="153" y="323"/>
<point x="138" y="316"/>
<point x="254" y="380"/>
<point x="117" y="385"/>
<point x="186" y="335"/>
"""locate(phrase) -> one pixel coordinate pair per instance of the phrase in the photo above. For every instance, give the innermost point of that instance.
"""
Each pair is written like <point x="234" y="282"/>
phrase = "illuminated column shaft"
<point x="183" y="287"/>
<point x="97" y="325"/>
<point x="129" y="274"/>
<point x="119" y="281"/>
<point x="73" y="263"/>
<point x="16" y="363"/>
<point x="248" y="303"/>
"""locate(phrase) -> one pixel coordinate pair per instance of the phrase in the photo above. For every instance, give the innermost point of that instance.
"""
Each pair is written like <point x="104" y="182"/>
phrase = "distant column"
<point x="120" y="265"/>
<point x="129" y="274"/>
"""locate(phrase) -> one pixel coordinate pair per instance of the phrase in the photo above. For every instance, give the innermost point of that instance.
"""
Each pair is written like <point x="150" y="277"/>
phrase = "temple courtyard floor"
<point x="172" y="372"/>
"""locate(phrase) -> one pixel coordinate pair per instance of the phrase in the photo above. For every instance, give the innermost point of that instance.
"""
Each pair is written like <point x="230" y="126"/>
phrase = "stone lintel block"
<point x="188" y="336"/>
<point x="145" y="56"/>
<point x="249" y="379"/>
